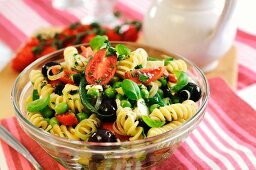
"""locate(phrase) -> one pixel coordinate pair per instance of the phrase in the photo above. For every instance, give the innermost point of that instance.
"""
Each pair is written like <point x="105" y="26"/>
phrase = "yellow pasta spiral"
<point x="38" y="120"/>
<point x="176" y="65"/>
<point x="38" y="80"/>
<point x="64" y="131"/>
<point x="184" y="110"/>
<point x="46" y="90"/>
<point x="124" y="66"/>
<point x="72" y="98"/>
<point x="55" y="99"/>
<point x="139" y="57"/>
<point x="87" y="126"/>
<point x="126" y="124"/>
<point x="73" y="60"/>
<point x="170" y="126"/>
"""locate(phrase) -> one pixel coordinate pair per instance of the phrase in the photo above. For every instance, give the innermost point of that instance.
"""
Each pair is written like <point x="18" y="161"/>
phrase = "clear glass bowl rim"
<point x="177" y="131"/>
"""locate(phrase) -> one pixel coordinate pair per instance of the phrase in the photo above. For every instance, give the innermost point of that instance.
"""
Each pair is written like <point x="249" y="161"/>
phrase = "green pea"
<point x="53" y="121"/>
<point x="81" y="116"/>
<point x="117" y="84"/>
<point x="47" y="112"/>
<point x="152" y="107"/>
<point x="167" y="101"/>
<point x="93" y="92"/>
<point x="61" y="108"/>
<point x="126" y="103"/>
<point x="163" y="81"/>
<point x="144" y="93"/>
<point x="110" y="92"/>
<point x="161" y="93"/>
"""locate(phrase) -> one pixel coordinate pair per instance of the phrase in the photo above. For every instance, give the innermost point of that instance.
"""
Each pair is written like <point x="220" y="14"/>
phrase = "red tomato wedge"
<point x="66" y="78"/>
<point x="101" y="68"/>
<point x="145" y="75"/>
<point x="109" y="126"/>
<point x="67" y="119"/>
<point x="86" y="52"/>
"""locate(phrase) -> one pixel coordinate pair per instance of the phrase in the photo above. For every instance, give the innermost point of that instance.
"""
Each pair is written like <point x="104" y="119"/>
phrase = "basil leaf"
<point x="131" y="89"/>
<point x="39" y="104"/>
<point x="152" y="123"/>
<point x="181" y="82"/>
<point x="122" y="50"/>
<point x="143" y="78"/>
<point x="97" y="42"/>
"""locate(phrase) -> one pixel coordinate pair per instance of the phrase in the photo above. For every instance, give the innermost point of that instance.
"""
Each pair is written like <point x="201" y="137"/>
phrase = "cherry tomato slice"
<point x="100" y="69"/>
<point x="145" y="75"/>
<point x="67" y="119"/>
<point x="109" y="126"/>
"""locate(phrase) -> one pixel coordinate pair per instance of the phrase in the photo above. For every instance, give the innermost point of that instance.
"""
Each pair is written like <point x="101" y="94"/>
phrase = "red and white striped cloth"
<point x="226" y="138"/>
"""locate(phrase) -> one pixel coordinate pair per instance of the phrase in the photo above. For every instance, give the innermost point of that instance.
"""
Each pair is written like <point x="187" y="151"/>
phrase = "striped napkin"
<point x="225" y="139"/>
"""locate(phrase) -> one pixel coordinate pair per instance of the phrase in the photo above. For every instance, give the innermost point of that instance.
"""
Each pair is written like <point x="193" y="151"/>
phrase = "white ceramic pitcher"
<point x="200" y="30"/>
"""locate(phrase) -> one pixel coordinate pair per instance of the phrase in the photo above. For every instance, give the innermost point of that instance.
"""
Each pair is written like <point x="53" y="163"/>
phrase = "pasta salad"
<point x="109" y="94"/>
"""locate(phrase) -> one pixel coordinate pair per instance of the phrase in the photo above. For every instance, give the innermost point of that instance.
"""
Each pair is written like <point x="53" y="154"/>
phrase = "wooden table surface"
<point x="227" y="69"/>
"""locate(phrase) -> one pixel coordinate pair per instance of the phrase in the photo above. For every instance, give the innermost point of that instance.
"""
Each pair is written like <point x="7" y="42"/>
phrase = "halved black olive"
<point x="102" y="135"/>
<point x="190" y="91"/>
<point x="47" y="66"/>
<point x="107" y="110"/>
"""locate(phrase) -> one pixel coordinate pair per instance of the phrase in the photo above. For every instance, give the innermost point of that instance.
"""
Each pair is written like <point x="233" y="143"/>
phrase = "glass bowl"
<point x="141" y="154"/>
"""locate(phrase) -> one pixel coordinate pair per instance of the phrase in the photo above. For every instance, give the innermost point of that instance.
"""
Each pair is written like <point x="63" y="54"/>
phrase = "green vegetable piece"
<point x="94" y="92"/>
<point x="117" y="85"/>
<point x="39" y="104"/>
<point x="143" y="78"/>
<point x="126" y="103"/>
<point x="152" y="123"/>
<point x="122" y="50"/>
<point x="138" y="66"/>
<point x="120" y="97"/>
<point x="81" y="116"/>
<point x="181" y="82"/>
<point x="163" y="81"/>
<point x="144" y="93"/>
<point x="35" y="95"/>
<point x="53" y="121"/>
<point x="152" y="107"/>
<point x="168" y="61"/>
<point x="161" y="93"/>
<point x="98" y="42"/>
<point x="61" y="108"/>
<point x="131" y="89"/>
<point x="47" y="112"/>
<point x="121" y="57"/>
<point x="76" y="78"/>
<point x="156" y="100"/>
<point x="152" y="58"/>
<point x="110" y="92"/>
<point x="85" y="99"/>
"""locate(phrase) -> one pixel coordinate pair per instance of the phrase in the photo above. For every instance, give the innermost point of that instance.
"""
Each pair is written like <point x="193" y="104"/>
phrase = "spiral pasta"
<point x="64" y="131"/>
<point x="176" y="65"/>
<point x="126" y="124"/>
<point x="55" y="99"/>
<point x="38" y="81"/>
<point x="170" y="126"/>
<point x="74" y="61"/>
<point x="38" y="120"/>
<point x="176" y="111"/>
<point x="87" y="126"/>
<point x="124" y="66"/>
<point x="72" y="98"/>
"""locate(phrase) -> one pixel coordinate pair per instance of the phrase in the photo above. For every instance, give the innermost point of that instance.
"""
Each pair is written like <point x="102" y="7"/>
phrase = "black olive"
<point x="190" y="91"/>
<point x="102" y="135"/>
<point x="167" y="91"/>
<point x="107" y="110"/>
<point x="47" y="66"/>
<point x="144" y="125"/>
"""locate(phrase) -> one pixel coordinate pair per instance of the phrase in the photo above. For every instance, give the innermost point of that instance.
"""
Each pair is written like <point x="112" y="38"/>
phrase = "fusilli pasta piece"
<point x="87" y="126"/>
<point x="124" y="66"/>
<point x="55" y="99"/>
<point x="184" y="110"/>
<point x="72" y="98"/>
<point x="38" y="80"/>
<point x="74" y="61"/>
<point x="64" y="131"/>
<point x="38" y="120"/>
<point x="139" y="57"/>
<point x="176" y="65"/>
<point x="126" y="124"/>
<point x="170" y="126"/>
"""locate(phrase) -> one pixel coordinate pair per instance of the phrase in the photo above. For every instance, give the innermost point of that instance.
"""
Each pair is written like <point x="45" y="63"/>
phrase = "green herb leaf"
<point x="143" y="78"/>
<point x="122" y="50"/>
<point x="98" y="42"/>
<point x="152" y="123"/>
<point x="138" y="66"/>
<point x="35" y="95"/>
<point x="167" y="61"/>
<point x="181" y="82"/>
<point x="39" y="104"/>
<point x="131" y="89"/>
